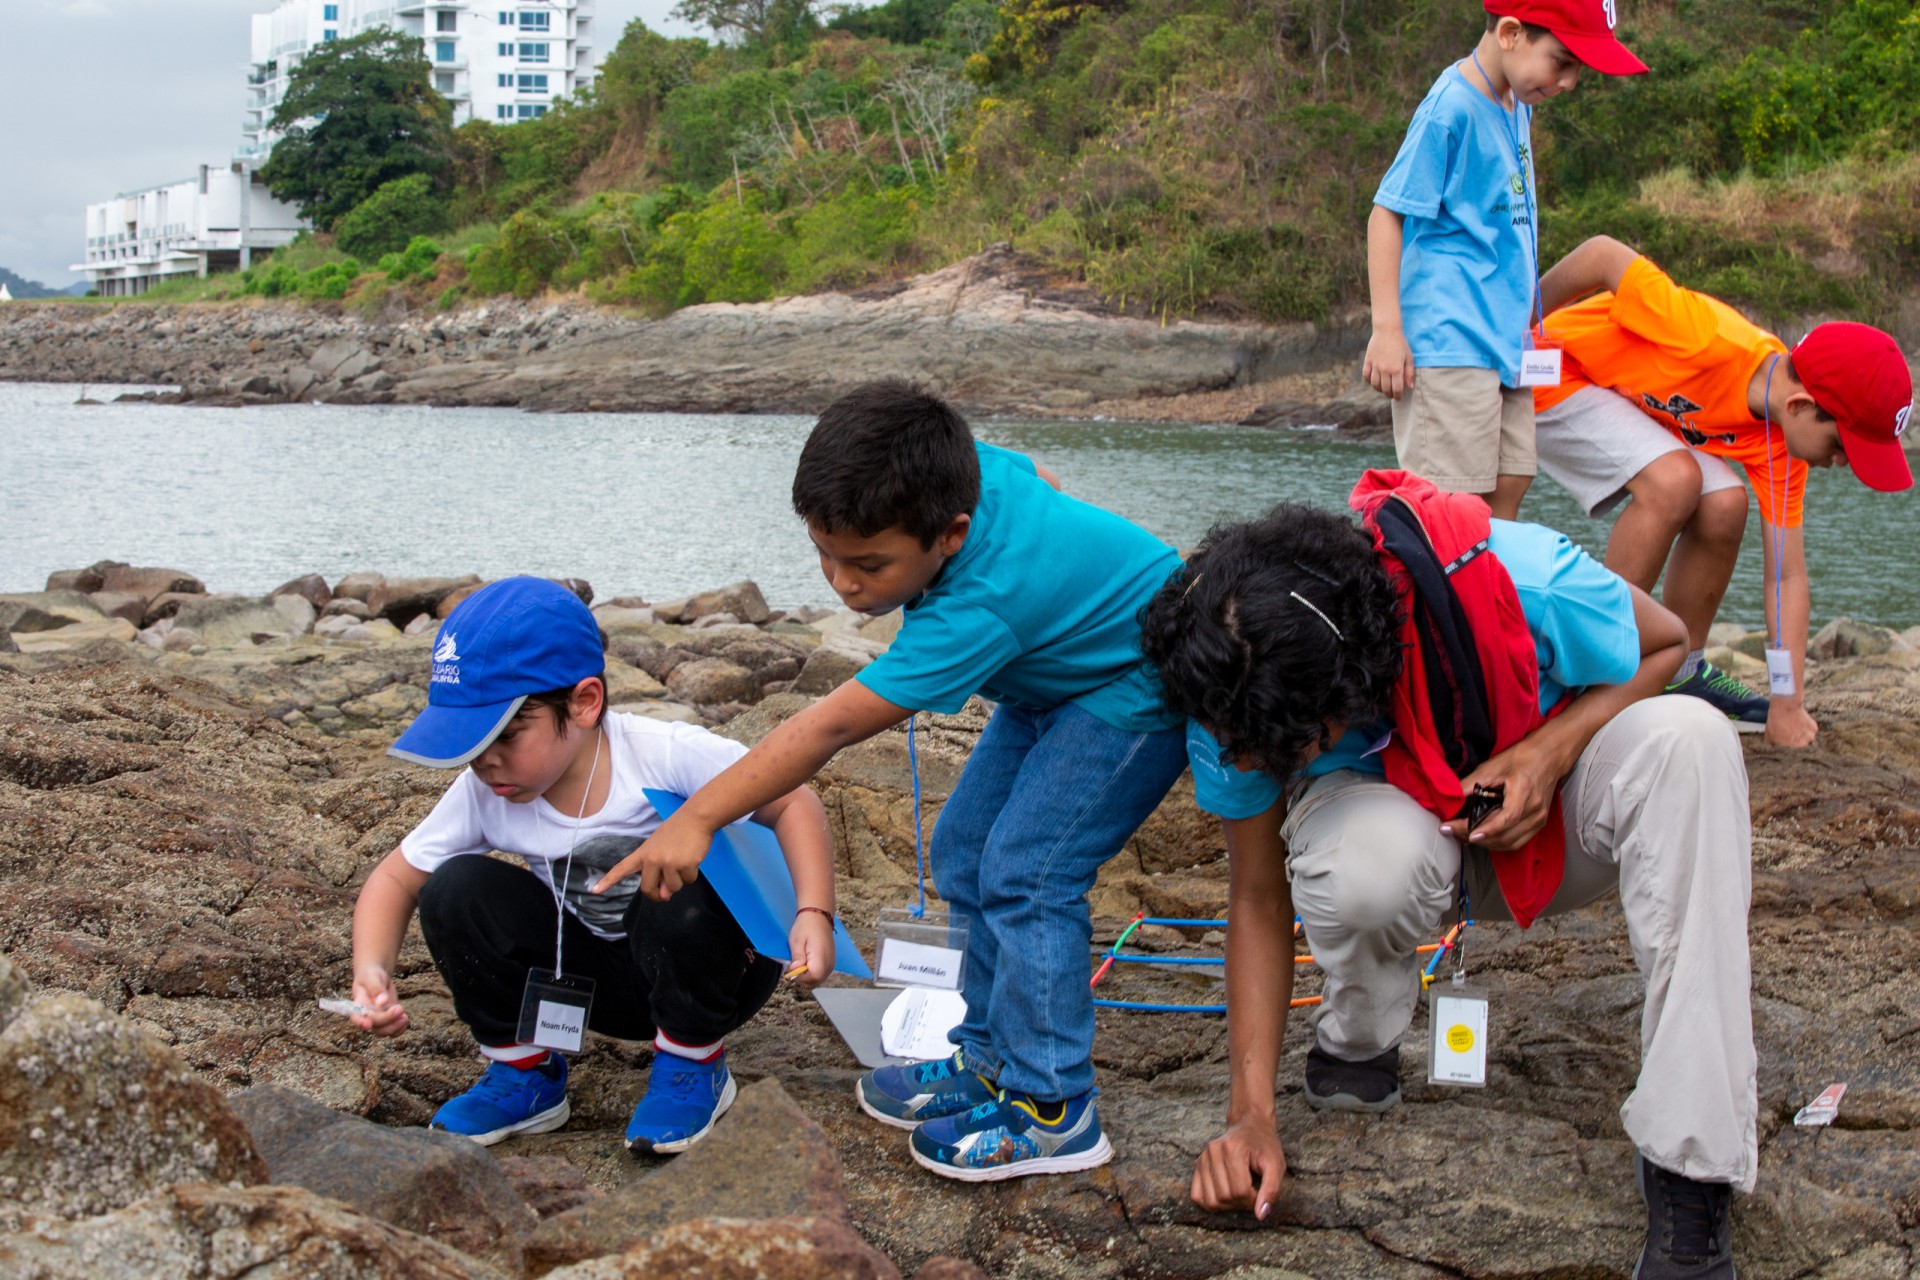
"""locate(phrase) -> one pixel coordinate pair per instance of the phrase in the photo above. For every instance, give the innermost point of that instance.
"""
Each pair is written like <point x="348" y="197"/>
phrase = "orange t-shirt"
<point x="1686" y="360"/>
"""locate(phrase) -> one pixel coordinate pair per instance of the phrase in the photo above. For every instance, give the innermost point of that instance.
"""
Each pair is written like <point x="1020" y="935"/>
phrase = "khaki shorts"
<point x="1595" y="441"/>
<point x="1462" y="430"/>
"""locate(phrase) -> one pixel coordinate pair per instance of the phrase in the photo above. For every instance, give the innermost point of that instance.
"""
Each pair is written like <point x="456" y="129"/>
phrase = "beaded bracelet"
<point x="822" y="910"/>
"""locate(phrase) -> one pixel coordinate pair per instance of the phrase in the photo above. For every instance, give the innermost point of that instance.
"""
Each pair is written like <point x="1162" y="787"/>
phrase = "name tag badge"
<point x="1780" y="673"/>
<point x="920" y="951"/>
<point x="1540" y="367"/>
<point x="553" y="1011"/>
<point x="1458" y="1055"/>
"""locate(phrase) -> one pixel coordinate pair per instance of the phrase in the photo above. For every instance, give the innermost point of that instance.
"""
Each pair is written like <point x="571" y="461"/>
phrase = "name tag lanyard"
<point x="1544" y="369"/>
<point x="915" y="949"/>
<point x="1780" y="678"/>
<point x="1457" y="1014"/>
<point x="554" y="1008"/>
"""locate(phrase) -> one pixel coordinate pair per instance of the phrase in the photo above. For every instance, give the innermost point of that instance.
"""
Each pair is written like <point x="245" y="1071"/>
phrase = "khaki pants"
<point x="1656" y="808"/>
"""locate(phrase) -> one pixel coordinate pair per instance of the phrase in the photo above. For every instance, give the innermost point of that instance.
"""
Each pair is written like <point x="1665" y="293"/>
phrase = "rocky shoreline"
<point x="988" y="332"/>
<point x="185" y="821"/>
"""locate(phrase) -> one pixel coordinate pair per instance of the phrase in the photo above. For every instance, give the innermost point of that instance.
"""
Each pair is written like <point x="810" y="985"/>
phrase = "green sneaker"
<point x="1743" y="707"/>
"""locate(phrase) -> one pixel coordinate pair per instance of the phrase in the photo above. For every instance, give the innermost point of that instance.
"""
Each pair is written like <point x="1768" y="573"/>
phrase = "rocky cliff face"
<point x="983" y="332"/>
<point x="179" y="853"/>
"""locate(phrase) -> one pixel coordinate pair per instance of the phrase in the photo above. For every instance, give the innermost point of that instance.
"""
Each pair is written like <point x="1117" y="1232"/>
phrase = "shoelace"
<point x="1725" y="682"/>
<point x="1695" y="1218"/>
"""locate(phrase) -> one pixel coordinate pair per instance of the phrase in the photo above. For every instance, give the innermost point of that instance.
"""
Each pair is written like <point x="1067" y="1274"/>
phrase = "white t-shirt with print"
<point x="470" y="819"/>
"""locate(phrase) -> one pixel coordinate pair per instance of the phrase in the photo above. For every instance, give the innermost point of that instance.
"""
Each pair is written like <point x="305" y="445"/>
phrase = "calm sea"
<point x="660" y="505"/>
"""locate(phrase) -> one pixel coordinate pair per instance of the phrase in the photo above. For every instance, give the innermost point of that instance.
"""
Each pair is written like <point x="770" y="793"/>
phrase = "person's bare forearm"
<point x="1259" y="968"/>
<point x="383" y="911"/>
<point x="1595" y="264"/>
<point x="1386" y="233"/>
<point x="789" y="756"/>
<point x="801" y="826"/>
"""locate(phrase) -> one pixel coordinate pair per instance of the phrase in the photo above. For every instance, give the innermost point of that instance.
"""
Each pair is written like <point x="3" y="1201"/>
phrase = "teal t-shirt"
<point x="1581" y="616"/>
<point x="1040" y="607"/>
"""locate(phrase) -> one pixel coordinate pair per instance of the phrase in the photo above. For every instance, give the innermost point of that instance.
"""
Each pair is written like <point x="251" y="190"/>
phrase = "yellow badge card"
<point x="1458" y="1016"/>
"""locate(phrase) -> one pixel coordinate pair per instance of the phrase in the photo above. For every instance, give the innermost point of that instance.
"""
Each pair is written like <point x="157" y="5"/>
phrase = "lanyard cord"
<point x="559" y="901"/>
<point x="919" y="856"/>
<point x="1778" y="530"/>
<point x="1512" y="123"/>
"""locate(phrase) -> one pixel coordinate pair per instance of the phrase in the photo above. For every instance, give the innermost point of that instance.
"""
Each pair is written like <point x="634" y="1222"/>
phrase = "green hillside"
<point x="1211" y="157"/>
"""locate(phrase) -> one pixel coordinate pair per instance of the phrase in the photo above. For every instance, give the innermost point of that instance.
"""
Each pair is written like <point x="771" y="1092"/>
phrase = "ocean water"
<point x="660" y="505"/>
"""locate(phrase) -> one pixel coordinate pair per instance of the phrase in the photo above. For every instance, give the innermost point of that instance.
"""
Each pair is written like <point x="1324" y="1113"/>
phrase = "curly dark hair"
<point x="1240" y="644"/>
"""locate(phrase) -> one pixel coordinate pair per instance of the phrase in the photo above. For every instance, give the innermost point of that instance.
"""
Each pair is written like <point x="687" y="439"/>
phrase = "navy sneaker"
<point x="907" y="1096"/>
<point x="1334" y="1084"/>
<point x="683" y="1100"/>
<point x="1011" y="1136"/>
<point x="508" y="1100"/>
<point x="1746" y="709"/>
<point x="1686" y="1226"/>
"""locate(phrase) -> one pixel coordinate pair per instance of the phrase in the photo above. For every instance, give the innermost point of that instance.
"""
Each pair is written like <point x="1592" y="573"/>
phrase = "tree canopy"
<point x="359" y="113"/>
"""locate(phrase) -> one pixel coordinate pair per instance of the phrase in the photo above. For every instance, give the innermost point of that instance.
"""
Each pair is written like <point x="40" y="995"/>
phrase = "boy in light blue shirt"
<point x="1031" y="598"/>
<point x="1452" y="250"/>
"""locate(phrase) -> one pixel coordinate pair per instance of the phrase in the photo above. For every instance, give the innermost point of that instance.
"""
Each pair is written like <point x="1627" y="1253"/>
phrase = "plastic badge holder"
<point x="1457" y="1019"/>
<point x="920" y="950"/>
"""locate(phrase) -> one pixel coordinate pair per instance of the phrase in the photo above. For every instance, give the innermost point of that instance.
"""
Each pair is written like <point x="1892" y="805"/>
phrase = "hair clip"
<point x="1323" y="617"/>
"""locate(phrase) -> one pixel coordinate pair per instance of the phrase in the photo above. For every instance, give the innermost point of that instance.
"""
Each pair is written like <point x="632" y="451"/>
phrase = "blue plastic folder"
<point x="749" y="872"/>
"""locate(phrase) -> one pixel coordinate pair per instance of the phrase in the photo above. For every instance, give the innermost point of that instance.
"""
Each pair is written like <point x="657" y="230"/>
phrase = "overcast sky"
<point x="108" y="96"/>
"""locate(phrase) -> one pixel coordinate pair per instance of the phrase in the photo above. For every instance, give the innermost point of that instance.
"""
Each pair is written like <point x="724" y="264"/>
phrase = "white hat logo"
<point x="1612" y="15"/>
<point x="1900" y="420"/>
<point x="444" y="651"/>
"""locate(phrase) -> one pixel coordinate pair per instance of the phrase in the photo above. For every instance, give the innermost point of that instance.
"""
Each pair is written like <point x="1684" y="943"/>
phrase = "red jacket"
<point x="1470" y="685"/>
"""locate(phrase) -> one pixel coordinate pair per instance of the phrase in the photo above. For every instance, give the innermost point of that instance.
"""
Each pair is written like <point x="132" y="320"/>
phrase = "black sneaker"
<point x="1746" y="709"/>
<point x="1686" y="1226"/>
<point x="1334" y="1085"/>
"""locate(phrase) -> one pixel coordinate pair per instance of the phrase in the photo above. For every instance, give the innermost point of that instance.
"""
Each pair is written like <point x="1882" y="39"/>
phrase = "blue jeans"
<point x="1045" y="799"/>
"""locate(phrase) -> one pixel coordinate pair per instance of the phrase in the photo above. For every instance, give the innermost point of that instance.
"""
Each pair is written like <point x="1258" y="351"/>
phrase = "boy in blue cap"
<point x="531" y="956"/>
<point x="1015" y="591"/>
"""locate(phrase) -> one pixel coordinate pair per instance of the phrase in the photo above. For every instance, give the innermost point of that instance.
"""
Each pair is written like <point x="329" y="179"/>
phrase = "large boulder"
<point x="400" y="600"/>
<point x="438" y="1184"/>
<point x="829" y="667"/>
<point x="309" y="587"/>
<point x="766" y="1158"/>
<point x="78" y="636"/>
<point x="95" y="1114"/>
<point x="709" y="681"/>
<point x="150" y="581"/>
<point x="232" y="1233"/>
<point x="121" y="604"/>
<point x="45" y="610"/>
<point x="790" y="1248"/>
<point x="1846" y="638"/>
<point x="743" y="600"/>
<point x="230" y="621"/>
<point x="356" y="586"/>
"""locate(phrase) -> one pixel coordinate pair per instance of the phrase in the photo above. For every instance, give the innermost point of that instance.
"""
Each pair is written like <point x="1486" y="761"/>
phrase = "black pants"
<point x="685" y="966"/>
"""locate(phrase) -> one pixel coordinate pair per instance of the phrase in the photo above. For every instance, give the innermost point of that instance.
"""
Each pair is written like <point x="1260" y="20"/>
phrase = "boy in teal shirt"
<point x="1031" y="598"/>
<point x="1453" y="254"/>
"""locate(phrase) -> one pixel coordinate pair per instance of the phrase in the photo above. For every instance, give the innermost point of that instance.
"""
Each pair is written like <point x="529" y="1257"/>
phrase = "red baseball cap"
<point x="1584" y="26"/>
<point x="1858" y="374"/>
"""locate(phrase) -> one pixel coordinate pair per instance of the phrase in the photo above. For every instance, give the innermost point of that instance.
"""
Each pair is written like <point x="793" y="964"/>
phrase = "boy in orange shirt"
<point x="1660" y="388"/>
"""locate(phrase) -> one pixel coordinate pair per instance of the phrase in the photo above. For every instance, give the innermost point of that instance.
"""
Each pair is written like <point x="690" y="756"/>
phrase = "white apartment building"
<point x="497" y="60"/>
<point x="212" y="222"/>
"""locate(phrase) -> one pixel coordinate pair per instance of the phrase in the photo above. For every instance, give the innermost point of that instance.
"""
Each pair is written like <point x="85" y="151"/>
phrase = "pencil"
<point x="797" y="970"/>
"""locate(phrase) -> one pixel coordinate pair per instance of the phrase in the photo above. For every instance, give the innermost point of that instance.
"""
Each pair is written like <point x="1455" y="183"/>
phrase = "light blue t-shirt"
<point x="1040" y="607"/>
<point x="1468" y="268"/>
<point x="1581" y="616"/>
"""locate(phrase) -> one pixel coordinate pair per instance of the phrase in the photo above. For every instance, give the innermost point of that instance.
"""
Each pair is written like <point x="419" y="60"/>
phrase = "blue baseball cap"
<point x="510" y="638"/>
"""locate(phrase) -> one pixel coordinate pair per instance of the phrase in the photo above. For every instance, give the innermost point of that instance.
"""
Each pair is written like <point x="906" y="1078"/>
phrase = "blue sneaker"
<point x="907" y="1096"/>
<point x="683" y="1100"/>
<point x="1013" y="1136"/>
<point x="1743" y="708"/>
<point x="508" y="1100"/>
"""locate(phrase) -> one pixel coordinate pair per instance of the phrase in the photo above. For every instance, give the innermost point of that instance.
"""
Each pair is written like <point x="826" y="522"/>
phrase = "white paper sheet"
<point x="915" y="1025"/>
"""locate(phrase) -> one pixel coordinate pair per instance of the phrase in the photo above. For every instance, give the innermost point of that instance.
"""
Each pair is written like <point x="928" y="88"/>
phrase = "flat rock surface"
<point x="191" y="863"/>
